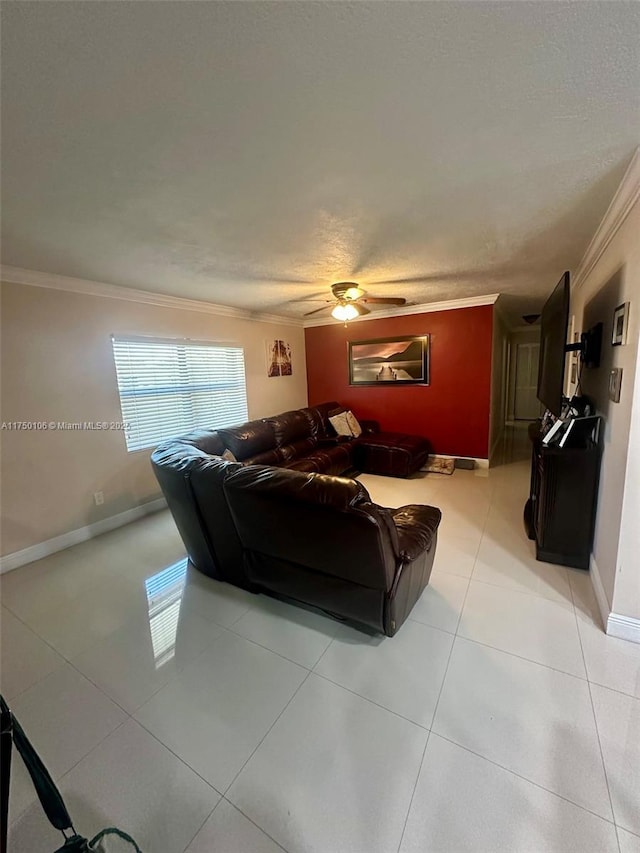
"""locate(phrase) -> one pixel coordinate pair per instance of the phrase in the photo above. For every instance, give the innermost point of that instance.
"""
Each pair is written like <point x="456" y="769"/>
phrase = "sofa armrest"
<point x="416" y="525"/>
<point x="369" y="427"/>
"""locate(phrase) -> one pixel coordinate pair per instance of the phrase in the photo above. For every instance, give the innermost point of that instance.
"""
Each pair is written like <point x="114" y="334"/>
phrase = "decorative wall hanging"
<point x="620" y="324"/>
<point x="394" y="361"/>
<point x="279" y="358"/>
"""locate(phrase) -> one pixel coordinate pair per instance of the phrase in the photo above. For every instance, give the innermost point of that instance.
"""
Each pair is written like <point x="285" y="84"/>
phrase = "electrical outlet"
<point x="98" y="497"/>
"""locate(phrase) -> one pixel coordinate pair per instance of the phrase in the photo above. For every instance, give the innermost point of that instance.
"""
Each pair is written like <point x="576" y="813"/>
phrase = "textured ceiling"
<point x="252" y="153"/>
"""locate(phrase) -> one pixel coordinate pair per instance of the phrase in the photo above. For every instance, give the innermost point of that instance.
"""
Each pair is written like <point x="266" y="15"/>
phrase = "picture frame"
<point x="278" y="354"/>
<point x="620" y="325"/>
<point x="393" y="361"/>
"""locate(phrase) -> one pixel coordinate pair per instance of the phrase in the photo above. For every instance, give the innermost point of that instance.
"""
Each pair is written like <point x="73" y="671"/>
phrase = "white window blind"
<point x="169" y="387"/>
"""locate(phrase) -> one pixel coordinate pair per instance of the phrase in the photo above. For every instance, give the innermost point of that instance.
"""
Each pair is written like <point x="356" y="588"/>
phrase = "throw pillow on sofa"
<point x="346" y="424"/>
<point x="341" y="424"/>
<point x="356" y="429"/>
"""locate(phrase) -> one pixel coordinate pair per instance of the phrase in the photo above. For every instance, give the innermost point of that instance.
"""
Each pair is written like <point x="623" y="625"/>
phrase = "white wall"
<point x="499" y="367"/>
<point x="57" y="365"/>
<point x="610" y="275"/>
<point x="626" y="598"/>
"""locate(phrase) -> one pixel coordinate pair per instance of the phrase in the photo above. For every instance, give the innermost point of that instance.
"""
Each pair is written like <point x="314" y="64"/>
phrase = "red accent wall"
<point x="453" y="411"/>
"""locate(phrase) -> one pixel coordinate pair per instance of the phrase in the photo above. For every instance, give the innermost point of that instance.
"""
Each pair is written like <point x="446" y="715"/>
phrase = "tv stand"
<point x="561" y="510"/>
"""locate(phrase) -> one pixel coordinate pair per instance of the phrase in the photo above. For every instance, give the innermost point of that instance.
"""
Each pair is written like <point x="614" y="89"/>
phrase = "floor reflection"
<point x="164" y="595"/>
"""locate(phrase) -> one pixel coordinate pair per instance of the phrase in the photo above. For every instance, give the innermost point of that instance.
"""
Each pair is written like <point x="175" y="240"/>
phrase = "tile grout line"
<point x="208" y="817"/>
<point x="59" y="780"/>
<point x="157" y="690"/>
<point x="564" y="603"/>
<point x="191" y="840"/>
<point x="415" y="787"/>
<point x="233" y="805"/>
<point x="521" y="657"/>
<point x="175" y="755"/>
<point x="524" y="778"/>
<point x="435" y="709"/>
<point x="295" y="693"/>
<point x="431" y="731"/>
<point x="267" y="649"/>
<point x="595" y="721"/>
<point x="424" y="752"/>
<point x="370" y="701"/>
<point x="495" y="648"/>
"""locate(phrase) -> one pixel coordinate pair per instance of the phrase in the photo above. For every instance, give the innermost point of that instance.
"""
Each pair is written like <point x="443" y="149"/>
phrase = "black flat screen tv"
<point x="554" y="323"/>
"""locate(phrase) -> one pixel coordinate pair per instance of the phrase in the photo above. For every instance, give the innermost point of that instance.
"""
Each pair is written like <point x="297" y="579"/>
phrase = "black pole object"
<point x="49" y="796"/>
<point x="5" y="771"/>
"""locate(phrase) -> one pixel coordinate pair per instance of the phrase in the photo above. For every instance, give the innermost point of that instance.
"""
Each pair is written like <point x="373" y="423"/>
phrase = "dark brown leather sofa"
<point x="293" y="532"/>
<point x="304" y="440"/>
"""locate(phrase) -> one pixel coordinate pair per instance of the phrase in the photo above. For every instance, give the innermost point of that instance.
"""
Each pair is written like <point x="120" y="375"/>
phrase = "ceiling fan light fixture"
<point x="348" y="290"/>
<point x="345" y="311"/>
<point x="353" y="293"/>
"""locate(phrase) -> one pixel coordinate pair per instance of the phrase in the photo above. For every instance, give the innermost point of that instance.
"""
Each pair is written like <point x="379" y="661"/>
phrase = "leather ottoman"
<point x="392" y="454"/>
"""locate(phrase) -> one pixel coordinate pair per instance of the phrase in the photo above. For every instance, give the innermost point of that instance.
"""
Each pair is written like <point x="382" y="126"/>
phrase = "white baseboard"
<point x="615" y="625"/>
<point x="74" y="537"/>
<point x="598" y="589"/>
<point x="624" y="627"/>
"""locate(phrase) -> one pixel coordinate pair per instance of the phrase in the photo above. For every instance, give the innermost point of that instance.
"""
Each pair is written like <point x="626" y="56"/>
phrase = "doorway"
<point x="526" y="404"/>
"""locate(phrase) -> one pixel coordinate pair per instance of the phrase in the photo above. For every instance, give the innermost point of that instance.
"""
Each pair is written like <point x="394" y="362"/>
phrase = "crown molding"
<point x="426" y="308"/>
<point x="501" y="314"/>
<point x="621" y="205"/>
<point x="33" y="278"/>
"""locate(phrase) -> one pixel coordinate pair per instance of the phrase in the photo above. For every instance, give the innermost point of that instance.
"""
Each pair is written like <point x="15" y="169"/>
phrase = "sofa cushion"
<point x="250" y="439"/>
<point x="290" y="427"/>
<point x="323" y="410"/>
<point x="335" y="459"/>
<point x="269" y="457"/>
<point x="298" y="449"/>
<point x="316" y="424"/>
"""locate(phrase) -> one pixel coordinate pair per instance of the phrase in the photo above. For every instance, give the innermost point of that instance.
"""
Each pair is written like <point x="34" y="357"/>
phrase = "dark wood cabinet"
<point x="560" y="512"/>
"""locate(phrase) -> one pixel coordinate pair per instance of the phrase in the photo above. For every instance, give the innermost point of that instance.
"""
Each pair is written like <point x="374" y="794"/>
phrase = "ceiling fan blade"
<point x="309" y="313"/>
<point x="384" y="300"/>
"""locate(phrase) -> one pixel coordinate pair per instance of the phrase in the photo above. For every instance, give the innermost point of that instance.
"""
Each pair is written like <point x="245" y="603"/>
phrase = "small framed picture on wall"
<point x="279" y="358"/>
<point x="620" y="325"/>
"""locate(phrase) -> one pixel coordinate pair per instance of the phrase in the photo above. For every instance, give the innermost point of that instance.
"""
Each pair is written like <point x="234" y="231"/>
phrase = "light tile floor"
<point x="201" y="718"/>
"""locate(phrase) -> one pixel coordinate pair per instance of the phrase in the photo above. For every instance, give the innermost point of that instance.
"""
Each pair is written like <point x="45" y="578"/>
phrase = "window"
<point x="168" y="387"/>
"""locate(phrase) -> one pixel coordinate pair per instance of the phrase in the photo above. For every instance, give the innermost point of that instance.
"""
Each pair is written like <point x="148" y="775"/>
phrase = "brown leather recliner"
<point x="313" y="538"/>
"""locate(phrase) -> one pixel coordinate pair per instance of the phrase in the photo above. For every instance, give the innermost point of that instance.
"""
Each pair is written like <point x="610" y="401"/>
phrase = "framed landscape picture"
<point x="394" y="361"/>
